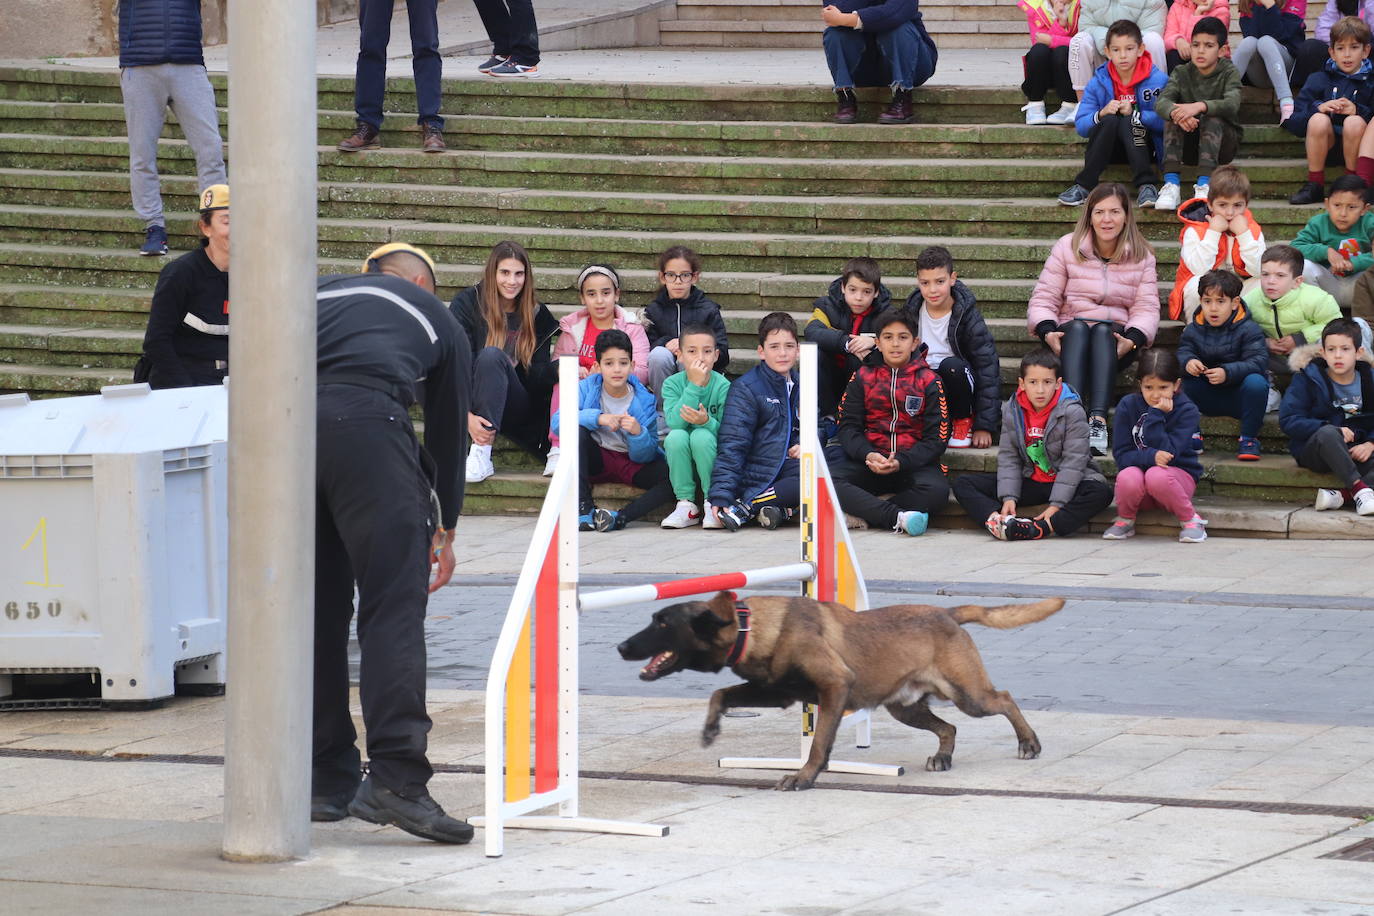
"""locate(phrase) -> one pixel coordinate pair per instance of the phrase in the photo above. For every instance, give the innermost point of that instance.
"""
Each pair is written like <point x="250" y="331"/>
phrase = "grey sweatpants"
<point x="1327" y="453"/>
<point x="148" y="93"/>
<point x="1269" y="69"/>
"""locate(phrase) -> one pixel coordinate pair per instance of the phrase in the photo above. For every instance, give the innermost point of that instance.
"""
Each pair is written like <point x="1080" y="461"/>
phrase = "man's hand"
<point x="480" y="431"/>
<point x="833" y="17"/>
<point x="1362" y="451"/>
<point x="1162" y="458"/>
<point x="1347" y="434"/>
<point x="441" y="553"/>
<point x="982" y="438"/>
<point x="1194" y="367"/>
<point x="1216" y="376"/>
<point x="1053" y="340"/>
<point x="1123" y="107"/>
<point x="699" y="372"/>
<point x="697" y="416"/>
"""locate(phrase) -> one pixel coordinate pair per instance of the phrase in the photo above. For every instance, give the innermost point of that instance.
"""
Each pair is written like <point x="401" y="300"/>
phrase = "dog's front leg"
<point x="746" y="694"/>
<point x="831" y="707"/>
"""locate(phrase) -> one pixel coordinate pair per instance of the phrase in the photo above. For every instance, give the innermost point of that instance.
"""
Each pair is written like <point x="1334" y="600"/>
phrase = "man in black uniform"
<point x="384" y="342"/>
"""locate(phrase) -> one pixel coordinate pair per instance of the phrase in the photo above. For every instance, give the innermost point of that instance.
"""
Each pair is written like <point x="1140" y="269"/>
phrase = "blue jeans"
<point x="900" y="51"/>
<point x="1245" y="401"/>
<point x="374" y="19"/>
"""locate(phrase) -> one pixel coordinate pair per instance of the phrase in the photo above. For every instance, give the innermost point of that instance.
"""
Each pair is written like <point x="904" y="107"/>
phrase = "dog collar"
<point x="741" y="635"/>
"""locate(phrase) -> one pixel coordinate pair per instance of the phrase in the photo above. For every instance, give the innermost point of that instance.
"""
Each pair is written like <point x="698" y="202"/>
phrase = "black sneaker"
<point x="330" y="807"/>
<point x="1074" y="195"/>
<point x="772" y="518"/>
<point x="1147" y="196"/>
<point x="490" y="63"/>
<point x="155" y="242"/>
<point x="420" y="816"/>
<point x="1310" y="193"/>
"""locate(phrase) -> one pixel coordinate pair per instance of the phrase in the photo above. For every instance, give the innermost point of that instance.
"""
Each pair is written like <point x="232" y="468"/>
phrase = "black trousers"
<point x="373" y="528"/>
<point x="1312" y="56"/>
<point x="1045" y="67"/>
<point x="923" y="489"/>
<point x="977" y="493"/>
<point x="1113" y="135"/>
<point x="1087" y="357"/>
<point x="501" y="398"/>
<point x="652" y="478"/>
<point x="956" y="377"/>
<point x="511" y="27"/>
<point x="1327" y="453"/>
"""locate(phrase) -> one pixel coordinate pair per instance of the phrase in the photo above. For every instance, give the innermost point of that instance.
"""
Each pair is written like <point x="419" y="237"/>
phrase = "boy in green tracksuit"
<point x="692" y="403"/>
<point x="1290" y="312"/>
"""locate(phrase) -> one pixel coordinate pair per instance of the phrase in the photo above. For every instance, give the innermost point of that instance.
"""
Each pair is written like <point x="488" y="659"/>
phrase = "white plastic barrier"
<point x="113" y="539"/>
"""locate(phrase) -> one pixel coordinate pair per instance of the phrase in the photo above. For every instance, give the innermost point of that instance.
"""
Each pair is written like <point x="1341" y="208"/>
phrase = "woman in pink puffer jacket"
<point x="1097" y="301"/>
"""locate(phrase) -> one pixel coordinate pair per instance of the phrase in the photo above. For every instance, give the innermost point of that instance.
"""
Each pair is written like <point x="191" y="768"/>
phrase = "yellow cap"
<point x="215" y="197"/>
<point x="392" y="248"/>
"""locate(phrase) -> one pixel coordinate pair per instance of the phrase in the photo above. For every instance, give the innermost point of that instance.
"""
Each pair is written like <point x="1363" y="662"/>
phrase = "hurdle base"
<point x="794" y="763"/>
<point x="577" y="825"/>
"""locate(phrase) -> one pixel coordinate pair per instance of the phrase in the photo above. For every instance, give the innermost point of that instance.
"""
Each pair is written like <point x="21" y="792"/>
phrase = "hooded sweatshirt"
<point x="1062" y="454"/>
<point x="1320" y="234"/>
<point x="1142" y="430"/>
<point x="665" y="316"/>
<point x="1329" y="83"/>
<point x="1206" y="249"/>
<point x="1220" y="89"/>
<point x="1301" y="312"/>
<point x="1141" y="89"/>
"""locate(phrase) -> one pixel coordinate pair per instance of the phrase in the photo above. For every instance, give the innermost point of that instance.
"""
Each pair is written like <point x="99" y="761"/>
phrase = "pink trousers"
<point x="1167" y="488"/>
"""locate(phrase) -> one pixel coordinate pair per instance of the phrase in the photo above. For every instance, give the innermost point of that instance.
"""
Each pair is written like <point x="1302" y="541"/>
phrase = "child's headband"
<point x="598" y="269"/>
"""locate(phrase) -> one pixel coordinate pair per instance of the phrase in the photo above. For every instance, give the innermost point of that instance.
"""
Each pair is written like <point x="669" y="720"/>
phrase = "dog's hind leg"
<point x="746" y="694"/>
<point x="918" y="715"/>
<point x="989" y="701"/>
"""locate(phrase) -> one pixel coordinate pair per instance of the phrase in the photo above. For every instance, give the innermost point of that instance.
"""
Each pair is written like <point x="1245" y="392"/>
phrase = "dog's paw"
<point x="1028" y="750"/>
<point x="795" y="782"/>
<point x="709" y="732"/>
<point x="939" y="763"/>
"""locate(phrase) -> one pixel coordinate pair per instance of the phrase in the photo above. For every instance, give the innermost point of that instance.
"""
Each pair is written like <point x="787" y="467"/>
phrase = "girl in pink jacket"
<point x="1097" y="301"/>
<point x="1052" y="23"/>
<point x="598" y="288"/>
<point x="1178" y="27"/>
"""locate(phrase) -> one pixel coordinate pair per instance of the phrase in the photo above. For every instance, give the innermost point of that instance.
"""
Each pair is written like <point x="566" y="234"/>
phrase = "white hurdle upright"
<point x="536" y="653"/>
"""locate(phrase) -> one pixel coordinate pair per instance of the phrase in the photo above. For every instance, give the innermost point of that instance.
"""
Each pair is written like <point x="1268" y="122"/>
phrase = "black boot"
<point x="846" y="106"/>
<point x="899" y="111"/>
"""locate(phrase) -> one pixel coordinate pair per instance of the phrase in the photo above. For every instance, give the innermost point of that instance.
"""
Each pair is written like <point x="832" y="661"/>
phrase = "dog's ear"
<point x="706" y="625"/>
<point x="722" y="604"/>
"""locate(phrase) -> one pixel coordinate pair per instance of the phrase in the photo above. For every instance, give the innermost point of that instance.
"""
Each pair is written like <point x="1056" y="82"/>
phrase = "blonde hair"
<point x="525" y="304"/>
<point x="1132" y="247"/>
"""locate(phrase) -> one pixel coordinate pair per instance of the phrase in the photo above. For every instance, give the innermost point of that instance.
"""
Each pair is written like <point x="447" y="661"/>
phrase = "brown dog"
<point x="793" y="648"/>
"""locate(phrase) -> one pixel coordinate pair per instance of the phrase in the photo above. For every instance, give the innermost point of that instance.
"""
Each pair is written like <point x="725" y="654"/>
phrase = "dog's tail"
<point x="1008" y="615"/>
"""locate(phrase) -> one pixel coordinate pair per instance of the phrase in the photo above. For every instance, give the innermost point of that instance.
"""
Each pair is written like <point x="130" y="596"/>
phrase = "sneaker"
<point x="1121" y="529"/>
<point x="709" y="520"/>
<point x="364" y="137"/>
<point x="495" y="60"/>
<point x="1097" y="434"/>
<point x="1247" y="449"/>
<point x="1193" y="531"/>
<point x="1146" y="196"/>
<point x="326" y="808"/>
<point x="432" y="139"/>
<point x="1023" y="529"/>
<point x="551" y="462"/>
<point x="846" y="106"/>
<point x="479" y="463"/>
<point x="1067" y="114"/>
<point x="1285" y="111"/>
<point x="684" y="516"/>
<point x="962" y="435"/>
<point x="1200" y="190"/>
<point x="608" y="520"/>
<point x="420" y="816"/>
<point x="912" y="522"/>
<point x="771" y="518"/>
<point x="996" y="525"/>
<point x="154" y="242"/>
<point x="511" y="68"/>
<point x="1035" y="113"/>
<point x="1167" y="199"/>
<point x="1328" y="499"/>
<point x="1274" y="400"/>
<point x="1074" y="196"/>
<point x="1311" y="192"/>
<point x="1364" y="501"/>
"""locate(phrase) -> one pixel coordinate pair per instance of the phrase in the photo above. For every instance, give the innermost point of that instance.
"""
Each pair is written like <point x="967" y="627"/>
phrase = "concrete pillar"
<point x="272" y="108"/>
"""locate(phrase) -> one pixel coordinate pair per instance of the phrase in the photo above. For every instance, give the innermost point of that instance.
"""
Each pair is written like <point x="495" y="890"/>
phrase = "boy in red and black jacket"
<point x="894" y="426"/>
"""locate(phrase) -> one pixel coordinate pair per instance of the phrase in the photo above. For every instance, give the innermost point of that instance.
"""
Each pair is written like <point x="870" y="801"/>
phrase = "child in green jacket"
<point x="1290" y="312"/>
<point x="1336" y="242"/>
<point x="692" y="403"/>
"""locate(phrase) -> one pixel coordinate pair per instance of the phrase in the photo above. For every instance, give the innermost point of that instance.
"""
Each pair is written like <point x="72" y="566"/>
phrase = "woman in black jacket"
<point x="513" y="375"/>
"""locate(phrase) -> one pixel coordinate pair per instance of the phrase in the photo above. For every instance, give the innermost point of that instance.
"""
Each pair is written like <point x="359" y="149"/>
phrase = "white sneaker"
<point x="684" y="516"/>
<point x="707" y="519"/>
<point x="1066" y="114"/>
<point x="551" y="463"/>
<point x="1330" y="499"/>
<point x="1364" y="501"/>
<point x="1097" y="434"/>
<point x="479" y="463"/>
<point x="1274" y="400"/>
<point x="1035" y="112"/>
<point x="1168" y="197"/>
<point x="1200" y="190"/>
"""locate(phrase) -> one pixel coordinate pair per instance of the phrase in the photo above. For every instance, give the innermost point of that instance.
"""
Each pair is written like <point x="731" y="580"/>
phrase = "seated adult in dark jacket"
<point x="877" y="43"/>
<point x="757" y="472"/>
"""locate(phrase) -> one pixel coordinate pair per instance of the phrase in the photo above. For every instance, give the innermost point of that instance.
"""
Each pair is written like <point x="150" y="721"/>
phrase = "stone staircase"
<point x="754" y="177"/>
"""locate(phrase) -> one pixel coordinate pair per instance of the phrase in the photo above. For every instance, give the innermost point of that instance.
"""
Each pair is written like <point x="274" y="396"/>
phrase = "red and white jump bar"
<point x="701" y="585"/>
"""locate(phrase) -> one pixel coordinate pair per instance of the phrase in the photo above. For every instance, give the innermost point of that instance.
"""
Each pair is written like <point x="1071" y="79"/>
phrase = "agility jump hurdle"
<point x="536" y="654"/>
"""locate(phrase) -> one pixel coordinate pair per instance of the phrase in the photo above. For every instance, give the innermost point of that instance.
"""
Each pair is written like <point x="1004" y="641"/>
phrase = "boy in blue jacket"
<point x="617" y="437"/>
<point x="1118" y="113"/>
<point x="1328" y="414"/>
<point x="1342" y="88"/>
<point x="757" y="472"/>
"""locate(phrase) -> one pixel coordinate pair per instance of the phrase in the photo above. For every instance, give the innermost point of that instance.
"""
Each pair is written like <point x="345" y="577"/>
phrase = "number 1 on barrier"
<point x="40" y="531"/>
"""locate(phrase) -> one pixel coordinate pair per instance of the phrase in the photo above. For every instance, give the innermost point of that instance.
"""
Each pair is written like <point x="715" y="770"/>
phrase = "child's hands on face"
<point x="699" y="372"/>
<point x="1162" y="458"/>
<point x="1218" y="223"/>
<point x="1238" y="224"/>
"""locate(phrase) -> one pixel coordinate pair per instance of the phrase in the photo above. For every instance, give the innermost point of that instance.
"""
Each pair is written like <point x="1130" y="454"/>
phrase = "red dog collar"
<point x="741" y="635"/>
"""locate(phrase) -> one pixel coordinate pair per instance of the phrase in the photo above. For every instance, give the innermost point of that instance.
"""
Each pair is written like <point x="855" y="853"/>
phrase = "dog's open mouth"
<point x="654" y="669"/>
